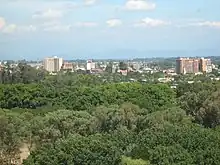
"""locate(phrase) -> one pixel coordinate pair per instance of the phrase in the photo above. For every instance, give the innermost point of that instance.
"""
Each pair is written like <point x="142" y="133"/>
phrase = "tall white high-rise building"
<point x="53" y="64"/>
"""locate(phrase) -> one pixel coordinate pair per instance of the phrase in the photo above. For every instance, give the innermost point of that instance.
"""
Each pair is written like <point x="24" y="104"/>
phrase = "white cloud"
<point x="149" y="22"/>
<point x="11" y="28"/>
<point x="2" y="22"/>
<point x="86" y="24"/>
<point x="114" y="22"/>
<point x="48" y="14"/>
<point x="54" y="25"/>
<point x="139" y="5"/>
<point x="208" y="23"/>
<point x="89" y="2"/>
<point x="197" y="23"/>
<point x="58" y="28"/>
<point x="49" y="24"/>
<point x="68" y="6"/>
<point x="29" y="28"/>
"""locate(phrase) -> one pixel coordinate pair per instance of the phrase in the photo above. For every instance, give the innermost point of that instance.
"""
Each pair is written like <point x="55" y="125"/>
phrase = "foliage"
<point x="23" y="73"/>
<point x="166" y="143"/>
<point x="202" y="102"/>
<point x="129" y="161"/>
<point x="209" y="113"/>
<point x="80" y="119"/>
<point x="10" y="131"/>
<point x="22" y="96"/>
<point x="77" y="150"/>
<point x="32" y="96"/>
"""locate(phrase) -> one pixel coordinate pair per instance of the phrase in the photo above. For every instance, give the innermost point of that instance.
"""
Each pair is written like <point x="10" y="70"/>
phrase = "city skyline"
<point x="108" y="29"/>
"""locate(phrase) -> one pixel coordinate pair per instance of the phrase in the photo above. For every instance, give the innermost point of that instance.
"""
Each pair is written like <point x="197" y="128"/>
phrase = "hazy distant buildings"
<point x="193" y="65"/>
<point x="90" y="65"/>
<point x="67" y="66"/>
<point x="136" y="66"/>
<point x="123" y="72"/>
<point x="53" y="64"/>
<point x="114" y="68"/>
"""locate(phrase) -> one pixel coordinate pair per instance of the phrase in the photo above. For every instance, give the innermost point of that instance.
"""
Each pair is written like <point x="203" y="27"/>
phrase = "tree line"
<point x="73" y="119"/>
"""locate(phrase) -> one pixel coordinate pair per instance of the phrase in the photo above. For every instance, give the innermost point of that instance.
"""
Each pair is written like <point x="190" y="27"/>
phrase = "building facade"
<point x="67" y="66"/>
<point x="205" y="65"/>
<point x="53" y="64"/>
<point x="90" y="65"/>
<point x="193" y="65"/>
<point x="136" y="66"/>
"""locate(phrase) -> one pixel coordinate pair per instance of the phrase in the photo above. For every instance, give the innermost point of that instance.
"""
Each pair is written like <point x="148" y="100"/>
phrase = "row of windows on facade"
<point x="193" y="65"/>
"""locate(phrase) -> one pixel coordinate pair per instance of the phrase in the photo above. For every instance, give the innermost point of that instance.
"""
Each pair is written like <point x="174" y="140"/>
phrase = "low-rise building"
<point x="123" y="72"/>
<point x="67" y="66"/>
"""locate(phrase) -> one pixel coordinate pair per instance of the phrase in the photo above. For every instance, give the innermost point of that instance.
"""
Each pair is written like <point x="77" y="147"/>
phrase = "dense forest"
<point x="77" y="119"/>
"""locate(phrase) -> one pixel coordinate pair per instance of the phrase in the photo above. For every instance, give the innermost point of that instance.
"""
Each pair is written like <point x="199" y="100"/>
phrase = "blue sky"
<point x="73" y="29"/>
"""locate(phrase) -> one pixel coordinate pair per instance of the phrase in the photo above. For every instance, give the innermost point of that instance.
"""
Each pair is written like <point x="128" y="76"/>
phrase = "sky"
<point x="89" y="29"/>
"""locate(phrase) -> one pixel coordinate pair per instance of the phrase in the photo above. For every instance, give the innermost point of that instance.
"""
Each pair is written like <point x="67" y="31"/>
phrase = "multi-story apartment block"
<point x="193" y="65"/>
<point x="53" y="64"/>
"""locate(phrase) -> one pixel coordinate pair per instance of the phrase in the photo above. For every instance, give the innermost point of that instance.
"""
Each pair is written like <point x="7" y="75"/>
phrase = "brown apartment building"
<point x="193" y="65"/>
